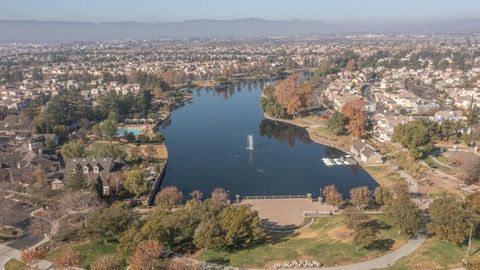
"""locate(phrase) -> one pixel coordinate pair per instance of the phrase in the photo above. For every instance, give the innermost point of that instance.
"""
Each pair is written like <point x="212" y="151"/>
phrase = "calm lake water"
<point x="206" y="141"/>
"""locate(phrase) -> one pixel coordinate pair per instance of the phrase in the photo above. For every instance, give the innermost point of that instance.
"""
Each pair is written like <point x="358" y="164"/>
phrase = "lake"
<point x="207" y="140"/>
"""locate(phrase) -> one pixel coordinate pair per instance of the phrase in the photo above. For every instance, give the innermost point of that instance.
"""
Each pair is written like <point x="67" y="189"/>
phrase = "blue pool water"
<point x="135" y="131"/>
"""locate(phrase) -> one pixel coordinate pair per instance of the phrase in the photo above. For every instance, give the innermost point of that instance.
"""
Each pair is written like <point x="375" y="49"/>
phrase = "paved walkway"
<point x="286" y="213"/>
<point x="7" y="253"/>
<point x="385" y="260"/>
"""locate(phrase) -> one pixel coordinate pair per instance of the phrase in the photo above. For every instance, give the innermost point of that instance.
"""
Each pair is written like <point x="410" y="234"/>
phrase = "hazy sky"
<point x="178" y="10"/>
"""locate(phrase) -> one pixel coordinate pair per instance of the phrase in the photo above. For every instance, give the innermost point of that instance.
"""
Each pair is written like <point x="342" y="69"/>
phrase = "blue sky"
<point x="177" y="10"/>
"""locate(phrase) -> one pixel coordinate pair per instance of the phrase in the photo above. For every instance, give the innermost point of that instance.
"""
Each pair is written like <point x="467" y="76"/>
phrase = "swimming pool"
<point x="135" y="131"/>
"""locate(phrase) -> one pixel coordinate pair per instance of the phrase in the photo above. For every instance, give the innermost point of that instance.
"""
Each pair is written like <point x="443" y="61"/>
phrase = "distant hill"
<point x="52" y="31"/>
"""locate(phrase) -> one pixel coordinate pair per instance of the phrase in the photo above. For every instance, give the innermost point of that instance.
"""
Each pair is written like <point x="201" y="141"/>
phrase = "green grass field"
<point x="89" y="251"/>
<point x="435" y="254"/>
<point x="435" y="165"/>
<point x="14" y="264"/>
<point x="326" y="241"/>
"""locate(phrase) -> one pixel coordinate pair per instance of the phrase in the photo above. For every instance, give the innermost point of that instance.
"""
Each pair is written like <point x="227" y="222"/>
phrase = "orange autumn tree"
<point x="354" y="110"/>
<point x="293" y="95"/>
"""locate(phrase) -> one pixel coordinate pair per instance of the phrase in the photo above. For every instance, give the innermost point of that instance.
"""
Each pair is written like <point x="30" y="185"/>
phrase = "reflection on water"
<point x="206" y="141"/>
<point x="283" y="132"/>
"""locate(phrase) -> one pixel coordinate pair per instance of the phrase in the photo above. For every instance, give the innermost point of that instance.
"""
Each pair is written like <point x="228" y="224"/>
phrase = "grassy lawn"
<point x="327" y="241"/>
<point x="435" y="165"/>
<point x="89" y="250"/>
<point x="444" y="160"/>
<point x="155" y="151"/>
<point x="14" y="264"/>
<point x="435" y="254"/>
<point x="99" y="147"/>
<point x="384" y="175"/>
<point x="328" y="137"/>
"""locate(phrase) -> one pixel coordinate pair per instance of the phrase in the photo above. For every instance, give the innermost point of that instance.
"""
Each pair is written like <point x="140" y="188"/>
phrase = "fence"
<point x="276" y="197"/>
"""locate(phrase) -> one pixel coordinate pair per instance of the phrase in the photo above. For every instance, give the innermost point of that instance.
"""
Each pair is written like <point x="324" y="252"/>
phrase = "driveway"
<point x="20" y="218"/>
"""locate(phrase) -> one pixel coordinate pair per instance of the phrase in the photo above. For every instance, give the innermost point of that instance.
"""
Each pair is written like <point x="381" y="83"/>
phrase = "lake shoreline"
<point x="312" y="136"/>
<point x="324" y="142"/>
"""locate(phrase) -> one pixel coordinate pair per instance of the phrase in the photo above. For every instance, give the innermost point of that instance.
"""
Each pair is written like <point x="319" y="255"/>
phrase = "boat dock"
<point x="346" y="160"/>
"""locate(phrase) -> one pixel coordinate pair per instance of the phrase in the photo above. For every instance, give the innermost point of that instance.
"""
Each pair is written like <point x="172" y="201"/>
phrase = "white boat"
<point x="328" y="161"/>
<point x="339" y="161"/>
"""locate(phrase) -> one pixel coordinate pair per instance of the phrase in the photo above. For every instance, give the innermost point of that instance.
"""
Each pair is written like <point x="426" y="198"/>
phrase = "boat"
<point x="328" y="161"/>
<point x="339" y="161"/>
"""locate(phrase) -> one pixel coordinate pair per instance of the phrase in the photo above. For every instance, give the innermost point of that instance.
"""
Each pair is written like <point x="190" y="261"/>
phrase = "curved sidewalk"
<point x="386" y="260"/>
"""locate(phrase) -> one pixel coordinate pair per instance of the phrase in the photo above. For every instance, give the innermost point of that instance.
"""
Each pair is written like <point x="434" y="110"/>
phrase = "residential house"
<point x="97" y="170"/>
<point x="365" y="153"/>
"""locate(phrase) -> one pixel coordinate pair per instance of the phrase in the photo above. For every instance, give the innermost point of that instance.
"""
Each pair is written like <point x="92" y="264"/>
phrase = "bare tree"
<point x="332" y="196"/>
<point x="470" y="169"/>
<point x="196" y="195"/>
<point x="79" y="203"/>
<point x="45" y="223"/>
<point x="168" y="197"/>
<point x="220" y="195"/>
<point x="6" y="204"/>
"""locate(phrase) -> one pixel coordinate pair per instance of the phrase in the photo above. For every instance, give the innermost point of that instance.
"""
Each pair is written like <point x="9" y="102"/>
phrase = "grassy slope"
<point x="326" y="241"/>
<point x="89" y="251"/>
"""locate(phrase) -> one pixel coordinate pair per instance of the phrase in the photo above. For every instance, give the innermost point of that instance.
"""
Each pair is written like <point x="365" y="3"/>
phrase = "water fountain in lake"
<point x="250" y="142"/>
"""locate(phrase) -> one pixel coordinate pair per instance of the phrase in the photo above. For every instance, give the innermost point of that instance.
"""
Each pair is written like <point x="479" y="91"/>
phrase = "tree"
<point x="73" y="149"/>
<point x="336" y="122"/>
<point x="241" y="226"/>
<point x="6" y="204"/>
<point x="219" y="195"/>
<point x="401" y="188"/>
<point x="39" y="175"/>
<point x="383" y="196"/>
<point x="360" y="196"/>
<point x="352" y="217"/>
<point x="332" y="196"/>
<point x="354" y="110"/>
<point x="292" y="95"/>
<point x="416" y="136"/>
<point x="404" y="214"/>
<point x="470" y="169"/>
<point x="473" y="263"/>
<point x="77" y="181"/>
<point x="209" y="234"/>
<point x="136" y="182"/>
<point x="196" y="195"/>
<point x="168" y="197"/>
<point x="106" y="129"/>
<point x="472" y="114"/>
<point x="148" y="255"/>
<point x="32" y="256"/>
<point x="472" y="204"/>
<point x="364" y="236"/>
<point x="79" y="204"/>
<point x="270" y="104"/>
<point x="110" y="222"/>
<point x="67" y="259"/>
<point x="448" y="219"/>
<point x="107" y="262"/>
